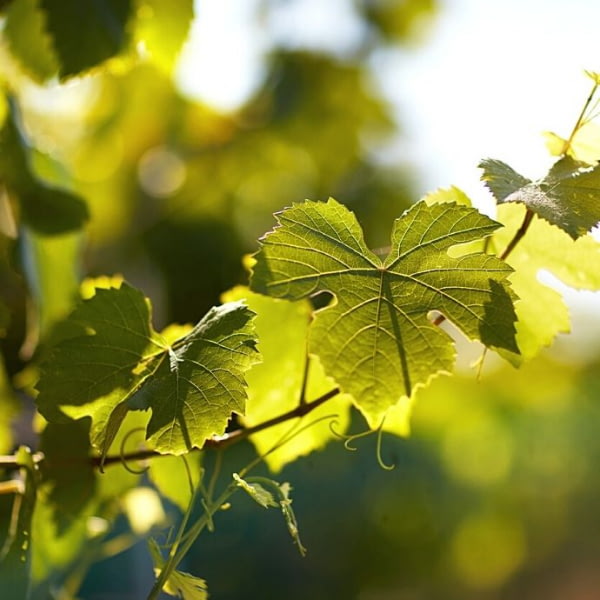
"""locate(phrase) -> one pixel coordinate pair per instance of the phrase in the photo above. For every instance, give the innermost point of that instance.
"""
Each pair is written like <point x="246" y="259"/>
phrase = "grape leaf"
<point x="110" y="361"/>
<point x="194" y="392"/>
<point x="568" y="196"/>
<point x="575" y="262"/>
<point x="375" y="338"/>
<point x="274" y="385"/>
<point x="86" y="32"/>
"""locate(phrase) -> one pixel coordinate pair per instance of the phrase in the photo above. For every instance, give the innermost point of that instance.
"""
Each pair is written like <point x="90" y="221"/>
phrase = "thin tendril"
<point x="189" y="474"/>
<point x="124" y="459"/>
<point x="350" y="438"/>
<point x="480" y="365"/>
<point x="379" y="457"/>
<point x="284" y="439"/>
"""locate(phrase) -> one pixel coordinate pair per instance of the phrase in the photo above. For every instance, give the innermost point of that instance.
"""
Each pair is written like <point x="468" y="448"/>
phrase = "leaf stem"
<point x="520" y="233"/>
<point x="579" y="122"/>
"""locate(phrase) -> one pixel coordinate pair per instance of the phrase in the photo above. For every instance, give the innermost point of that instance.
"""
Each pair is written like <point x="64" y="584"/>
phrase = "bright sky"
<point x="488" y="78"/>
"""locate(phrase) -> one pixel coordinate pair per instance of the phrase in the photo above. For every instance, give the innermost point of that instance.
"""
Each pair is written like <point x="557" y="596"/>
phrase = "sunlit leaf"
<point x="275" y="384"/>
<point x="91" y="373"/>
<point x="376" y="339"/>
<point x="568" y="196"/>
<point x="112" y="361"/>
<point x="86" y="32"/>
<point x="541" y="311"/>
<point x="194" y="393"/>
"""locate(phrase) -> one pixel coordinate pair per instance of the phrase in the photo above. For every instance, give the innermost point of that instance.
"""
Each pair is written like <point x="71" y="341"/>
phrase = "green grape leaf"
<point x="27" y="39"/>
<point x="86" y="32"/>
<point x="179" y="584"/>
<point x="110" y="361"/>
<point x="575" y="262"/>
<point x="105" y="355"/>
<point x="568" y="196"/>
<point x="282" y="328"/>
<point x="195" y="391"/>
<point x="45" y="208"/>
<point x="162" y="27"/>
<point x="375" y="338"/>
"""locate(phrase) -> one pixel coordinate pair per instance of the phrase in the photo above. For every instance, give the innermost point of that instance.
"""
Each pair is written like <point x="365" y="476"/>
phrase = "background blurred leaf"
<point x="545" y="247"/>
<point x="67" y="471"/>
<point x="163" y="27"/>
<point x="86" y="32"/>
<point x="275" y="384"/>
<point x="170" y="476"/>
<point x="45" y="208"/>
<point x="28" y="40"/>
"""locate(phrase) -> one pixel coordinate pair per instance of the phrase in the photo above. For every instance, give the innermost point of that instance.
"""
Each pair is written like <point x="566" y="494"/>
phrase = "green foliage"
<point x="110" y="361"/>
<point x="173" y="193"/>
<point x="568" y="196"/>
<point x="376" y="339"/>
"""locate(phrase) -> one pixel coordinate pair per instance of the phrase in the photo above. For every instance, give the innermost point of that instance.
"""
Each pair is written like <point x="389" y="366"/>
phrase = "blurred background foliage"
<point x="109" y="168"/>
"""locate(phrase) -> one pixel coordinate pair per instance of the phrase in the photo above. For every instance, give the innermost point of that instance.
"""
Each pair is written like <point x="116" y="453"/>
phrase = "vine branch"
<point x="11" y="461"/>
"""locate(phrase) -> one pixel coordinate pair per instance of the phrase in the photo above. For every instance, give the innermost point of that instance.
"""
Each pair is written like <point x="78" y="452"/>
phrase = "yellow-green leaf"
<point x="376" y="338"/>
<point x="275" y="384"/>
